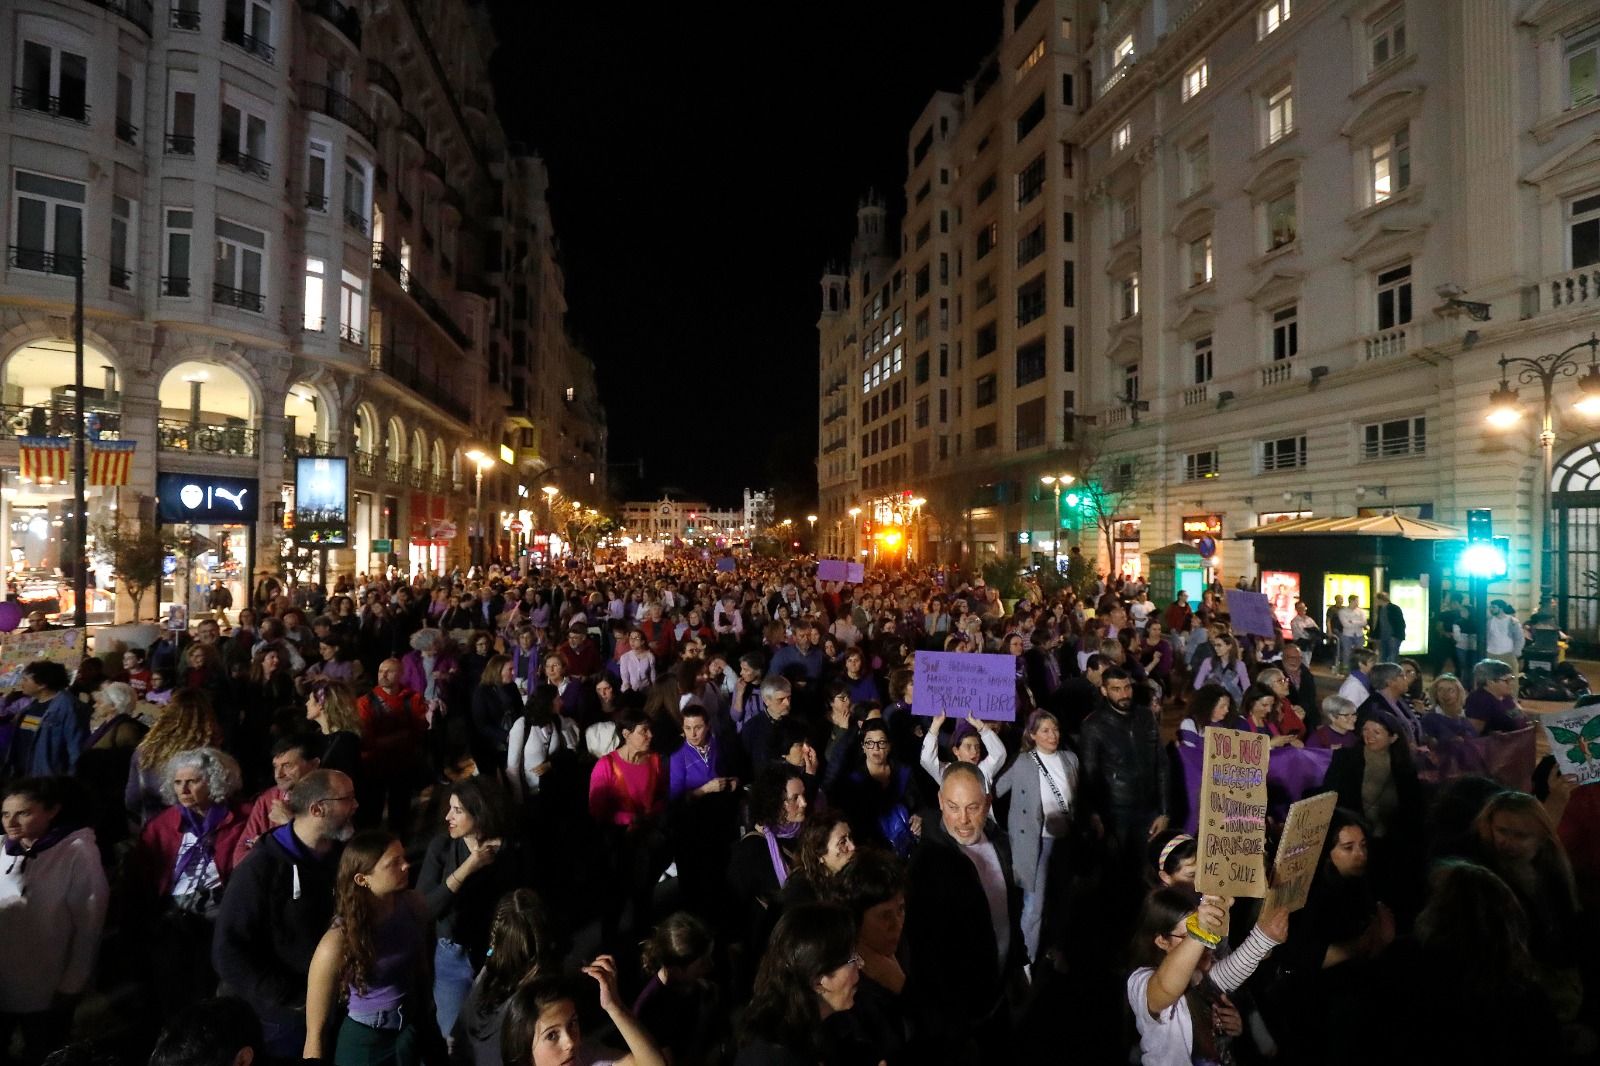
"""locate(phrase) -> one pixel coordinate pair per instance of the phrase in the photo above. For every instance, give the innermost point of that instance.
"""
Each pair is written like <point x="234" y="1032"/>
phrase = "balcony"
<point x="180" y="144"/>
<point x="342" y="18"/>
<point x="316" y="201"/>
<point x="385" y="259"/>
<point x="172" y="285"/>
<point x="1279" y="373"/>
<point x="394" y="470"/>
<point x="339" y="107"/>
<point x="139" y="12"/>
<point x="127" y="132"/>
<point x="58" y="419"/>
<point x="412" y="127"/>
<point x="366" y="463"/>
<point x="381" y="78"/>
<point x="355" y="220"/>
<point x="176" y="435"/>
<point x="306" y="445"/>
<point x="185" y="19"/>
<point x="43" y="261"/>
<point x="242" y="299"/>
<point x="351" y="335"/>
<point x="72" y="108"/>
<point x="234" y="34"/>
<point x="1576" y="289"/>
<point x="1195" y="395"/>
<point x="402" y="365"/>
<point x="1115" y="416"/>
<point x="1387" y="343"/>
<point x="230" y="155"/>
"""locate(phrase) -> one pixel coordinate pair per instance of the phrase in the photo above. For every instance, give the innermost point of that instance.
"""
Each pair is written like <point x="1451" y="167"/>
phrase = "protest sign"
<point x="1575" y="742"/>
<point x="1233" y="814"/>
<point x="959" y="684"/>
<point x="832" y="570"/>
<point x="644" y="551"/>
<point x="1300" y="850"/>
<point x="726" y="564"/>
<point x="1251" y="613"/>
<point x="855" y="573"/>
<point x="64" y="646"/>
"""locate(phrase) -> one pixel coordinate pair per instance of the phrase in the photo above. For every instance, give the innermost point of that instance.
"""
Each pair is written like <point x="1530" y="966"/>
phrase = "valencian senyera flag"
<point x="44" y="458"/>
<point x="110" y="461"/>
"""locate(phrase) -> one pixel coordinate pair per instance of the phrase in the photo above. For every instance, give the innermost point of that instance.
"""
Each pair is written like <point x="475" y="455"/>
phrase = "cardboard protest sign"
<point x="1233" y="814"/>
<point x="1300" y="850"/>
<point x="959" y="684"/>
<point x="855" y="573"/>
<point x="832" y="570"/>
<point x="641" y="551"/>
<point x="64" y="646"/>
<point x="1575" y="742"/>
<point x="1251" y="613"/>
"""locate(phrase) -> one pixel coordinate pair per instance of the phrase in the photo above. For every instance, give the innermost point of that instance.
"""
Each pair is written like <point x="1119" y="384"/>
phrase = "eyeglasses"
<point x="874" y="745"/>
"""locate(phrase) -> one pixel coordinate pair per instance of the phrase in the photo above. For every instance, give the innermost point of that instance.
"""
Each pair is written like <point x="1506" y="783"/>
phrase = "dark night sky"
<point x="705" y="164"/>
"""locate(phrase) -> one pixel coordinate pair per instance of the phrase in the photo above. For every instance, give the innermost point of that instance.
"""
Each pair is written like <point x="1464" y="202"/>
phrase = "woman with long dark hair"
<point x="808" y="974"/>
<point x="827" y="847"/>
<point x="762" y="860"/>
<point x="375" y="956"/>
<point x="496" y="704"/>
<point x="522" y="948"/>
<point x="542" y="1029"/>
<point x="679" y="1005"/>
<point x="628" y="802"/>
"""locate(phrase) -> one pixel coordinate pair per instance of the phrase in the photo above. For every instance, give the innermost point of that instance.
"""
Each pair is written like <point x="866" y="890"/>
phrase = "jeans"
<point x="1388" y="649"/>
<point x="1033" y="898"/>
<point x="1347" y="645"/>
<point x="452" y="980"/>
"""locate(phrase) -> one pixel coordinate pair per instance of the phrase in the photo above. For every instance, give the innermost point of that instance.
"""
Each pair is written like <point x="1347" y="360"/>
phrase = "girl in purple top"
<point x="376" y="949"/>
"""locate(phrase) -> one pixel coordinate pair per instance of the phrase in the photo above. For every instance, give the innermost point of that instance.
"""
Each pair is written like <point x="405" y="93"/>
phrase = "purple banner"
<point x="958" y="684"/>
<point x="1251" y="613"/>
<point x="727" y="565"/>
<point x="1292" y="773"/>
<point x="832" y="570"/>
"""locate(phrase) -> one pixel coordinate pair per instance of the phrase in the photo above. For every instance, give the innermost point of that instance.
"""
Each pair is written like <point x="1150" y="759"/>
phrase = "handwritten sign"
<point x="646" y="551"/>
<point x="1575" y="742"/>
<point x="64" y="646"/>
<point x="1251" y="613"/>
<point x="1233" y="814"/>
<point x="959" y="684"/>
<point x="1300" y="850"/>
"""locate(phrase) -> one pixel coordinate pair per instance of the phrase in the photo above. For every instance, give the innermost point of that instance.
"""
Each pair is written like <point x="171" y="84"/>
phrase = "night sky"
<point x="706" y="161"/>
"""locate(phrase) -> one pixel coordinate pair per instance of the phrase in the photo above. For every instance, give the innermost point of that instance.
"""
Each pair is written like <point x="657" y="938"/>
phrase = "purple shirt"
<point x="688" y="769"/>
<point x="1437" y="725"/>
<point x="1497" y="716"/>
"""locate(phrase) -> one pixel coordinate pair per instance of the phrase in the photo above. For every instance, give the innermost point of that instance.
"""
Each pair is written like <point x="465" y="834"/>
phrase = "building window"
<point x="248" y="23"/>
<point x="983" y="294"/>
<point x="357" y="200"/>
<point x="1069" y="349"/>
<point x="985" y="437"/>
<point x="1280" y="113"/>
<point x="1394" y="297"/>
<point x="1200" y="261"/>
<point x="1030" y="424"/>
<point x="987" y="340"/>
<point x="1030" y="60"/>
<point x="1030" y="182"/>
<point x="1030" y="245"/>
<point x="180" y="120"/>
<point x="1195" y="79"/>
<point x="1123" y="52"/>
<point x="1068" y="283"/>
<point x="1124" y="217"/>
<point x="1196" y="166"/>
<point x="920" y="326"/>
<point x="986" y="189"/>
<point x="920" y="369"/>
<point x="241" y="274"/>
<point x="316" y="274"/>
<point x="127" y="132"/>
<point x="1130" y="383"/>
<point x="921" y="284"/>
<point x="1066" y="90"/>
<point x="1386" y="37"/>
<point x="988" y="237"/>
<point x="1285" y="453"/>
<point x="1582" y="51"/>
<point x="1069" y="414"/>
<point x="1030" y="117"/>
<point x="920" y="420"/>
<point x="1285" y="332"/>
<point x="1128" y="297"/>
<point x="317" y="153"/>
<point x="1391" y="165"/>
<point x="1271" y="16"/>
<point x="352" y="311"/>
<point x="122" y="242"/>
<point x="1030" y="300"/>
<point x="1281" y="228"/>
<point x="1583" y="231"/>
<point x="924" y="234"/>
<point x="53" y="80"/>
<point x="244" y="140"/>
<point x="47" y="223"/>
<point x="1030" y="362"/>
<point x="1200" y="352"/>
<point x="1394" y="439"/>
<point x="1122" y="137"/>
<point x="179" y="239"/>
<point x="1066" y="227"/>
<point x="1199" y="466"/>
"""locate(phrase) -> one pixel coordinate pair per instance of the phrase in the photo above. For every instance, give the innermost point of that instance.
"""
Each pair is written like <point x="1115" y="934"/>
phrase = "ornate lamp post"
<point x="1056" y="481"/>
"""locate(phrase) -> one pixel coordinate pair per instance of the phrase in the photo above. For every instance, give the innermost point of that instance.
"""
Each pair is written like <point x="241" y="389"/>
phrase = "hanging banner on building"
<point x="958" y="684"/>
<point x="43" y="458"/>
<point x="321" y="501"/>
<point x="1300" y="850"/>
<point x="1233" y="814"/>
<point x="110" y="462"/>
<point x="64" y="646"/>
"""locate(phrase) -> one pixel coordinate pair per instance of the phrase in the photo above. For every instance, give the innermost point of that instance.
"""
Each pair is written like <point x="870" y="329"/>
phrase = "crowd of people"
<point x="694" y="815"/>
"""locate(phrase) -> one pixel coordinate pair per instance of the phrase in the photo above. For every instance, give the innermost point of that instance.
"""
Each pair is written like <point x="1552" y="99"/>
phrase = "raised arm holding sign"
<point x="958" y="684"/>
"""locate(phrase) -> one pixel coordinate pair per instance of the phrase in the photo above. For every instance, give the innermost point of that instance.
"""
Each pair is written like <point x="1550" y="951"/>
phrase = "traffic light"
<point x="1485" y="558"/>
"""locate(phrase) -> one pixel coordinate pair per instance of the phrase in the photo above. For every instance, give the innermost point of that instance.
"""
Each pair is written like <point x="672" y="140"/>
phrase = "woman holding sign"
<point x="1043" y="785"/>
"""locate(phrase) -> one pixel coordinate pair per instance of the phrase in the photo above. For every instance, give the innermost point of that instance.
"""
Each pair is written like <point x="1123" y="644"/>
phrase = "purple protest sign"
<point x="727" y="565"/>
<point x="855" y="573"/>
<point x="832" y="570"/>
<point x="958" y="684"/>
<point x="1251" y="612"/>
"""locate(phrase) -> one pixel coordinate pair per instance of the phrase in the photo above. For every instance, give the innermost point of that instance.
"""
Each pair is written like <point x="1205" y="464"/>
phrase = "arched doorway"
<point x="394" y="449"/>
<point x="206" y="408"/>
<point x="308" y="422"/>
<point x="1575" y="499"/>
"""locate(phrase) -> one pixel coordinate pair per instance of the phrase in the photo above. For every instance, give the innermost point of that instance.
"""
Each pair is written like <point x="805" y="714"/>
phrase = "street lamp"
<point x="855" y="530"/>
<point x="550" y="494"/>
<point x="913" y="529"/>
<point x="1056" y="481"/>
<point x="481" y="461"/>
<point x="1505" y="412"/>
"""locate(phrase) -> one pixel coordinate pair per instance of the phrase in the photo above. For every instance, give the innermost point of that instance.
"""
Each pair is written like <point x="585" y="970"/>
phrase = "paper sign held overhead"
<point x="1300" y="850"/>
<point x="1251" y="613"/>
<point x="1232" y="835"/>
<point x="958" y="684"/>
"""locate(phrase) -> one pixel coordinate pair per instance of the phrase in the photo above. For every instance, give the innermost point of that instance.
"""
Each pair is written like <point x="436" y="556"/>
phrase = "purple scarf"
<point x="205" y="842"/>
<point x="787" y="832"/>
<point x="19" y="865"/>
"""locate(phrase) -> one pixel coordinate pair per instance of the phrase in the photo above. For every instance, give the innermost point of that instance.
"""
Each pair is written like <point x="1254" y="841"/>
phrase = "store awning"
<point x="1383" y="525"/>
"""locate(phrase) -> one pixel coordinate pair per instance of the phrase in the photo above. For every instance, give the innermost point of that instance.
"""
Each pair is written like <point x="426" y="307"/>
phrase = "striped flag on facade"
<point x="43" y="458"/>
<point x="110" y="461"/>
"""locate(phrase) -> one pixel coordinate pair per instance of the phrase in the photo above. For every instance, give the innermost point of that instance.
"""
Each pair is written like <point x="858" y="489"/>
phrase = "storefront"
<point x="213" y="517"/>
<point x="431" y="534"/>
<point x="1125" y="557"/>
<point x="36" y="546"/>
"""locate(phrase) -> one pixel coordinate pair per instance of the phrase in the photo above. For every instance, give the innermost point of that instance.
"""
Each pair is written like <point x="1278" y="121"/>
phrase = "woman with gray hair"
<point x="114" y="733"/>
<point x="181" y="866"/>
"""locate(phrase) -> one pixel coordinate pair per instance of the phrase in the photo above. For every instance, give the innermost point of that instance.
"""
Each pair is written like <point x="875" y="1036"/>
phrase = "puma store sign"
<point x="206" y="498"/>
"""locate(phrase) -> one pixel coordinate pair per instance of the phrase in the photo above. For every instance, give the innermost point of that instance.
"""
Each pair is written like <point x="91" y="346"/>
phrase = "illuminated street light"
<point x="481" y="461"/>
<point x="1056" y="481"/>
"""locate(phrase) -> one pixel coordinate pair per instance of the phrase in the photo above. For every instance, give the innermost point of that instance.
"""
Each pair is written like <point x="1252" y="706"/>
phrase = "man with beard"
<point x="278" y="905"/>
<point x="1124" y="771"/>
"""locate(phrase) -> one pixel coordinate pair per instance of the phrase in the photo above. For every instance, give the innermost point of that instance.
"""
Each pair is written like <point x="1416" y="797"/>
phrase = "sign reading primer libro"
<point x="321" y="507"/>
<point x="1233" y="814"/>
<point x="958" y="684"/>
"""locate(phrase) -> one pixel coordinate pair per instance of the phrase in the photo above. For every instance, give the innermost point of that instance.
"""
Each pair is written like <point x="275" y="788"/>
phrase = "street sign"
<point x="1480" y="524"/>
<point x="516" y="525"/>
<point x="382" y="547"/>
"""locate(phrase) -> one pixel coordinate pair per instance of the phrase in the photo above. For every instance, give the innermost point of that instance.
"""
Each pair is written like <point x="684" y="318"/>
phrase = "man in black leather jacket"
<point x="1124" y="770"/>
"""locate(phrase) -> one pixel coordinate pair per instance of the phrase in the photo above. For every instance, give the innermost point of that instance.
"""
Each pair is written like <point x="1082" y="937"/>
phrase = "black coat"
<point x="1344" y="778"/>
<point x="1123" y="765"/>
